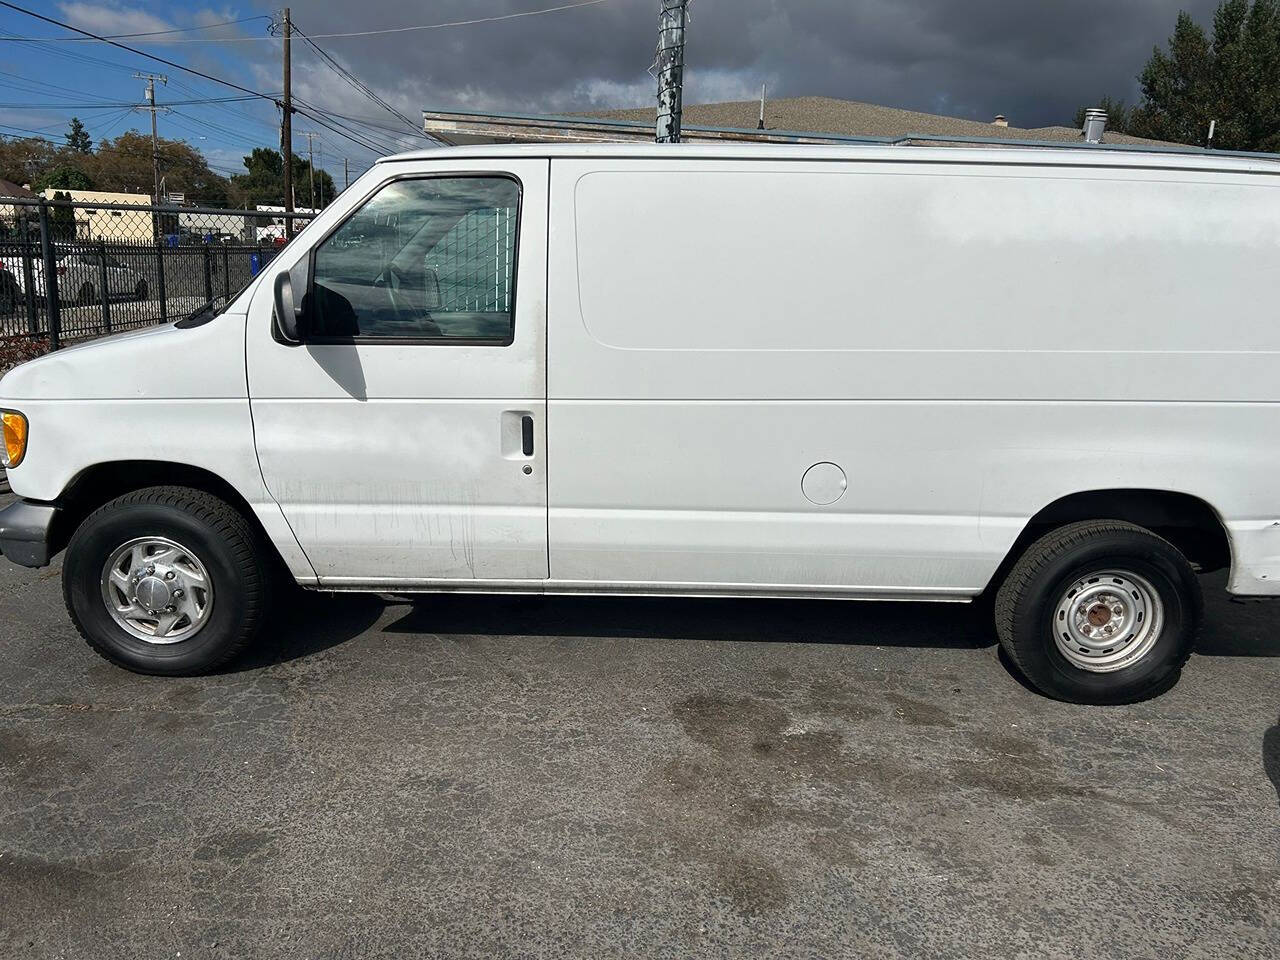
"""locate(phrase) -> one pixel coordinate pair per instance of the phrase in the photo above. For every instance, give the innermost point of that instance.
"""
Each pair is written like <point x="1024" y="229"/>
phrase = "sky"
<point x="1035" y="61"/>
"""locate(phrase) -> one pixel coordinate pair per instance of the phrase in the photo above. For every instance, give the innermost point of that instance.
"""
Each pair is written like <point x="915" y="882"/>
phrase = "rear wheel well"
<point x="1186" y="521"/>
<point x="103" y="482"/>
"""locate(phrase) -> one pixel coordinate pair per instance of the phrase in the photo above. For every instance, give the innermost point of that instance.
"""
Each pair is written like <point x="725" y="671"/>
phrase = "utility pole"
<point x="286" y="131"/>
<point x="311" y="166"/>
<point x="151" y="79"/>
<point x="671" y="24"/>
<point x="346" y="174"/>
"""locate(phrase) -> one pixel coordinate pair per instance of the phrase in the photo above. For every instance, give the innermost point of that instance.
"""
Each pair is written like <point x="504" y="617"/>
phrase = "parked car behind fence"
<point x="55" y="289"/>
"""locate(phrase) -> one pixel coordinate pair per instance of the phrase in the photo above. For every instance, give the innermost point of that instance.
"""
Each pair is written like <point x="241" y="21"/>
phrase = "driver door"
<point x="404" y="438"/>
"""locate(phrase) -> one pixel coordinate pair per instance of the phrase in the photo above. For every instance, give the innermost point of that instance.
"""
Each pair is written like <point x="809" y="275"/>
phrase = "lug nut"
<point x="151" y="569"/>
<point x="178" y="594"/>
<point x="170" y="575"/>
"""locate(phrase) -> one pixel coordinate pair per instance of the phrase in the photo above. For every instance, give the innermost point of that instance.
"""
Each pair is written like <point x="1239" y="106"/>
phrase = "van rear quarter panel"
<point x="967" y="341"/>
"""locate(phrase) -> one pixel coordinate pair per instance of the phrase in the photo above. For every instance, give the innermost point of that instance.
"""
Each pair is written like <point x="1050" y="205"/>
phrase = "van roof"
<point x="1031" y="153"/>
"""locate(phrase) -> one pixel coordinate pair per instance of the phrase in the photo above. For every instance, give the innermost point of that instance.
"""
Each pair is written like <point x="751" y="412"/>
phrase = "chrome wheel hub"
<point x="1107" y="620"/>
<point x="157" y="590"/>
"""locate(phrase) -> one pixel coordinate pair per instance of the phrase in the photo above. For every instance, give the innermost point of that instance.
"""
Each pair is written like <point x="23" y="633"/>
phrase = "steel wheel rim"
<point x="1107" y="620"/>
<point x="157" y="590"/>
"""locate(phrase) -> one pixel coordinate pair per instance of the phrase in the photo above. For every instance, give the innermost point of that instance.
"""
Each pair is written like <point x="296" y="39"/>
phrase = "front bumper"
<point x="25" y="533"/>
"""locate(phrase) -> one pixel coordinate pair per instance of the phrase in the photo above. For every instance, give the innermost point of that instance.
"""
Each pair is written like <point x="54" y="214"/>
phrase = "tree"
<point x="124" y="164"/>
<point x="1119" y="115"/>
<point x="78" y="137"/>
<point x="62" y="219"/>
<point x="263" y="183"/>
<point x="25" y="160"/>
<point x="1233" y="78"/>
<point x="64" y="178"/>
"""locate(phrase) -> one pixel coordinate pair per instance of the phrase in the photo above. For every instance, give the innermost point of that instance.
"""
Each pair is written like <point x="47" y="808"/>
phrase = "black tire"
<point x="86" y="296"/>
<point x="1026" y="602"/>
<point x="209" y="527"/>
<point x="140" y="291"/>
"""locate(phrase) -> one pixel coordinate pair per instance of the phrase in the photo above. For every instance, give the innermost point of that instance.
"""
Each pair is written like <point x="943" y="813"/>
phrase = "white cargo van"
<point x="866" y="373"/>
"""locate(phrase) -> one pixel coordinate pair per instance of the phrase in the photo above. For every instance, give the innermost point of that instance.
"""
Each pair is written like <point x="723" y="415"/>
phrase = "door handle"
<point x="526" y="435"/>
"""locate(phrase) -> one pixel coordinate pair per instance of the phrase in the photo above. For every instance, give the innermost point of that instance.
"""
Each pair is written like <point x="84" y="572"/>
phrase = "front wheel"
<point x="140" y="291"/>
<point x="165" y="580"/>
<point x="1100" y="612"/>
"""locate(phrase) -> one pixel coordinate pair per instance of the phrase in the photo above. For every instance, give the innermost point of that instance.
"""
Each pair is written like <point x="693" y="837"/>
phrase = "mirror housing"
<point x="284" y="318"/>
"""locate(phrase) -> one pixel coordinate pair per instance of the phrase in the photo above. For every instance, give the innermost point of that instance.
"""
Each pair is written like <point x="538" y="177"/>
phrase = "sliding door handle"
<point x="526" y="435"/>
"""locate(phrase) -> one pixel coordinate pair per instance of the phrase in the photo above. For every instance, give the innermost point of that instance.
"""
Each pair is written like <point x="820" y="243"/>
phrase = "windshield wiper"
<point x="198" y="317"/>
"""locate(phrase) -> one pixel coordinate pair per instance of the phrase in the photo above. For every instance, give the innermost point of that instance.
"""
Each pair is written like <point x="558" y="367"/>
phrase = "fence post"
<point x="226" y="275"/>
<point x="103" y="287"/>
<point x="51" y="300"/>
<point x="208" y="275"/>
<point x="29" y="281"/>
<point x="164" y="300"/>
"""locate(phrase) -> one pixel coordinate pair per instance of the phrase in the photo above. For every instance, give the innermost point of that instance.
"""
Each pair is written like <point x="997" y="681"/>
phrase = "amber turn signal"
<point x="15" y="438"/>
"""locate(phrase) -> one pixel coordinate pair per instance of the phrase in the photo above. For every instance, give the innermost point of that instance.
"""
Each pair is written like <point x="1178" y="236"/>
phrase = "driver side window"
<point x="426" y="259"/>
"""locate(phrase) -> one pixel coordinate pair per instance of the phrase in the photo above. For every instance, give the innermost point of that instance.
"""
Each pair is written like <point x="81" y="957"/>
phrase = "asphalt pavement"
<point x="581" y="777"/>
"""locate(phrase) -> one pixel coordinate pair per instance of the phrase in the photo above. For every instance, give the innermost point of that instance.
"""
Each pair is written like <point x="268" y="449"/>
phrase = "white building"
<point x="274" y="228"/>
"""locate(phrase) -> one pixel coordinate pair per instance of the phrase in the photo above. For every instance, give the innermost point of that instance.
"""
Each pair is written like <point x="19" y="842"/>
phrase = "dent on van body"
<point x="1255" y="558"/>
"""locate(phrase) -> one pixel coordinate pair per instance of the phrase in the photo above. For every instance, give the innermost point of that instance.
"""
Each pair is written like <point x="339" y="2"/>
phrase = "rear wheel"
<point x="165" y="580"/>
<point x="140" y="291"/>
<point x="86" y="296"/>
<point x="1099" y="612"/>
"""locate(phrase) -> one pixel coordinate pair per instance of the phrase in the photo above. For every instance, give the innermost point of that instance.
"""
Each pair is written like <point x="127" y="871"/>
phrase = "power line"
<point x="133" y="50"/>
<point x="366" y="122"/>
<point x="65" y="106"/>
<point x="461" y="23"/>
<point x="191" y="70"/>
<point x="29" y="85"/>
<point x="357" y="83"/>
<point x="241" y="115"/>
<point x="33" y="84"/>
<point x="48" y="47"/>
<point x="334" y="36"/>
<point x="151" y="33"/>
<point x="37" y="133"/>
<point x="109" y="106"/>
<point x="325" y="119"/>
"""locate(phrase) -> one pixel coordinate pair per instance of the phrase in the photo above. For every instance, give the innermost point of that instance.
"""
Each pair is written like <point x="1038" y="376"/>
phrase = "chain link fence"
<point x="75" y="270"/>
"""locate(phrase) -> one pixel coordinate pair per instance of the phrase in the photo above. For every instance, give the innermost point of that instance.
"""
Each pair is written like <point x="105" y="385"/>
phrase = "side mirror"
<point x="284" y="318"/>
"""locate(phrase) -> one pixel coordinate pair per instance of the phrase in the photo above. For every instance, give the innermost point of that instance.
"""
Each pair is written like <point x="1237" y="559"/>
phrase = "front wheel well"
<point x="100" y="484"/>
<point x="1186" y="521"/>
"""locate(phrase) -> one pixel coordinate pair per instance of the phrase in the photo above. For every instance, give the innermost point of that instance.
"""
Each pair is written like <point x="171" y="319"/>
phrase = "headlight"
<point x="15" y="438"/>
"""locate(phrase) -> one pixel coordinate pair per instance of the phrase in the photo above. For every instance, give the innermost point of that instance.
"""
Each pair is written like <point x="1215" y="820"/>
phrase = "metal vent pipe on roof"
<point x="1095" y="124"/>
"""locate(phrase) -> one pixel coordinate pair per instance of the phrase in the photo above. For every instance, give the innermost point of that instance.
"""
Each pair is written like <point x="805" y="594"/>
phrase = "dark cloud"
<point x="1034" y="60"/>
